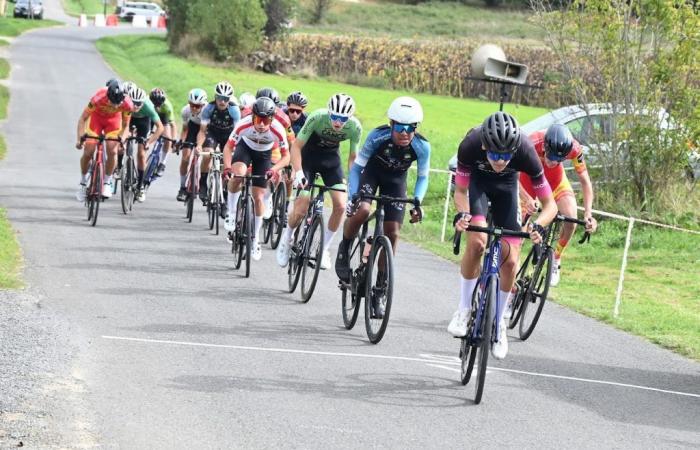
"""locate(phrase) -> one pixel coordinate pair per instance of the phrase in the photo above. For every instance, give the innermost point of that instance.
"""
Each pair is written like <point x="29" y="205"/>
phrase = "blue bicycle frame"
<point x="489" y="270"/>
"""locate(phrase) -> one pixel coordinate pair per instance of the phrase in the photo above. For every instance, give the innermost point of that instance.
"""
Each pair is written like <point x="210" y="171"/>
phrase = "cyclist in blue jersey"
<point x="382" y="164"/>
<point x="296" y="103"/>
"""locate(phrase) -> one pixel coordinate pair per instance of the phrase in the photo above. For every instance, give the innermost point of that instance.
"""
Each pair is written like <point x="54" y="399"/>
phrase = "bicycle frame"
<point x="489" y="270"/>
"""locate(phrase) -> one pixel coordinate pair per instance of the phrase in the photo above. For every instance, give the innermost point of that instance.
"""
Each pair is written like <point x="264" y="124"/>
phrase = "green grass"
<point x="12" y="27"/>
<point x="661" y="289"/>
<point x="430" y="19"/>
<point x="4" y="69"/>
<point x="10" y="255"/>
<point x="89" y="7"/>
<point x="4" y="99"/>
<point x="4" y="42"/>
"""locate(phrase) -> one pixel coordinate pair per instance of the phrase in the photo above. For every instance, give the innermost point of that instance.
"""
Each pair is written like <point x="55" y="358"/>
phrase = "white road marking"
<point x="430" y="360"/>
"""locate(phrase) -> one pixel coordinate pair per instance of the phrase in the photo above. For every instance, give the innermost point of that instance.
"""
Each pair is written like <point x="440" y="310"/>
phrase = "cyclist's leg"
<point x="143" y="126"/>
<point x="169" y="133"/>
<point x="394" y="185"/>
<point x="331" y="170"/>
<point x="261" y="164"/>
<point x="241" y="158"/>
<point x="209" y="146"/>
<point x="369" y="181"/>
<point x="566" y="203"/>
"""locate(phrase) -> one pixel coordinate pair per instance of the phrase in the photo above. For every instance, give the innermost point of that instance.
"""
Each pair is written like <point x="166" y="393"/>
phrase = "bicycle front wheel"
<point x="351" y="296"/>
<point x="294" y="265"/>
<point x="487" y="324"/>
<point x="248" y="233"/>
<point x="536" y="295"/>
<point x="217" y="198"/>
<point x="379" y="286"/>
<point x="279" y="215"/>
<point x="312" y="255"/>
<point x="95" y="195"/>
<point x="522" y="281"/>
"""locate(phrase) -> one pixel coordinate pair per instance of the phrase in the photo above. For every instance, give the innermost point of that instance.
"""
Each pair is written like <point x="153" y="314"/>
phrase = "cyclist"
<point x="296" y="103"/>
<point x="165" y="111"/>
<point x="218" y="120"/>
<point x="489" y="159"/>
<point x="383" y="164"/>
<point x="245" y="101"/>
<point x="554" y="147"/>
<point x="191" y="121"/>
<point x="317" y="150"/>
<point x="108" y="113"/>
<point x="143" y="118"/>
<point x="251" y="143"/>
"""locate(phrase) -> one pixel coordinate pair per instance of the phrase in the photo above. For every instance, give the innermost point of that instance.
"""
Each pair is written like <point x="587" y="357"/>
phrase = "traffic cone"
<point x="82" y="21"/>
<point x="112" y="20"/>
<point x="162" y="23"/>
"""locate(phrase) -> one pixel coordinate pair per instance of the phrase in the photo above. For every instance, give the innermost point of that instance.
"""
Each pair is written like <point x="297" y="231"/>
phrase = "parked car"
<point x="128" y="10"/>
<point x="29" y="8"/>
<point x="593" y="127"/>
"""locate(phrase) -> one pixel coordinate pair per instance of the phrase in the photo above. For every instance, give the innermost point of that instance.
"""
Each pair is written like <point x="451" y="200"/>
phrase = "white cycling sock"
<point x="503" y="302"/>
<point x="328" y="236"/>
<point x="83" y="178"/>
<point x="163" y="156"/>
<point x="466" y="291"/>
<point x="183" y="181"/>
<point x="258" y="223"/>
<point x="267" y="195"/>
<point x="108" y="179"/>
<point x="288" y="233"/>
<point x="233" y="202"/>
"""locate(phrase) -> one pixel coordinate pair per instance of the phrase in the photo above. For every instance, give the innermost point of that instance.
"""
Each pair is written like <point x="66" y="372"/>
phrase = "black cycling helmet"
<point x="558" y="141"/>
<point x="157" y="96"/>
<point x="115" y="92"/>
<point x="269" y="93"/>
<point x="297" y="98"/>
<point x="500" y="133"/>
<point x="264" y="107"/>
<point x="110" y="81"/>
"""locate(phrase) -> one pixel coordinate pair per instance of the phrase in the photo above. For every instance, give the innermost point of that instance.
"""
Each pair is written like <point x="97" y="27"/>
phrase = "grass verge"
<point x="429" y="19"/>
<point x="4" y="68"/>
<point x="4" y="99"/>
<point x="89" y="7"/>
<point x="12" y="27"/>
<point x="661" y="289"/>
<point x="10" y="255"/>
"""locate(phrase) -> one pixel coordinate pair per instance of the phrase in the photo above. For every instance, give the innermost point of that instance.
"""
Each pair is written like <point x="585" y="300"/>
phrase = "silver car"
<point x="29" y="8"/>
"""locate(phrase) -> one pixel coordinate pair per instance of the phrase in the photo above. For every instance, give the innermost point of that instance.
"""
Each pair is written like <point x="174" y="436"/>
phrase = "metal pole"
<point x="447" y="206"/>
<point x="618" y="298"/>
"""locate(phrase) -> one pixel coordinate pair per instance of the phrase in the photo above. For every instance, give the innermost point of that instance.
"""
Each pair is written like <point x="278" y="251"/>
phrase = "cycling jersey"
<point x="105" y="117"/>
<point x="257" y="141"/>
<point x="280" y="116"/>
<point x="147" y="111"/>
<point x="556" y="176"/>
<point x="188" y="116"/>
<point x="221" y="120"/>
<point x="296" y="126"/>
<point x="379" y="150"/>
<point x="166" y="112"/>
<point x="318" y="132"/>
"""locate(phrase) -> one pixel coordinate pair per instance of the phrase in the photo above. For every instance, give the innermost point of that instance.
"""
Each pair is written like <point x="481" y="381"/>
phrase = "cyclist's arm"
<point x="421" y="187"/>
<point x="155" y="135"/>
<point x="81" y="124"/>
<point x="295" y="153"/>
<point x="544" y="195"/>
<point x="587" y="189"/>
<point x="126" y="124"/>
<point x="354" y="142"/>
<point x="228" y="150"/>
<point x="281" y="135"/>
<point x="462" y="179"/>
<point x="201" y="135"/>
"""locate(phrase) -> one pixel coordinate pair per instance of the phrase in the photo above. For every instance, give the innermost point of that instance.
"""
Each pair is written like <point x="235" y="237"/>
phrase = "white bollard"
<point x="100" y="20"/>
<point x="139" y="22"/>
<point x="82" y="21"/>
<point x="620" y="281"/>
<point x="154" y="22"/>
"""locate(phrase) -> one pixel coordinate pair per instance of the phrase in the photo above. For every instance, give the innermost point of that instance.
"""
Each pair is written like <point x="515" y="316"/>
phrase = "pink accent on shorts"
<point x="513" y="241"/>
<point x="478" y="218"/>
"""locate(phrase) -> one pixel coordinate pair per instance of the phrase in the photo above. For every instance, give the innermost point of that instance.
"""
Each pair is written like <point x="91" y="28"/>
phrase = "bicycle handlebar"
<point x="495" y="231"/>
<point x="327" y="188"/>
<point x="101" y="138"/>
<point x="387" y="199"/>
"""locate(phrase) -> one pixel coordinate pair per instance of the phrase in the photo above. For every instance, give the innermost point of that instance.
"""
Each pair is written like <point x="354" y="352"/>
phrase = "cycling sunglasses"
<point x="222" y="98"/>
<point x="261" y="120"/>
<point x="339" y="118"/>
<point x="404" y="127"/>
<point x="495" y="156"/>
<point x="295" y="110"/>
<point x="195" y="106"/>
<point x="137" y="105"/>
<point x="555" y="158"/>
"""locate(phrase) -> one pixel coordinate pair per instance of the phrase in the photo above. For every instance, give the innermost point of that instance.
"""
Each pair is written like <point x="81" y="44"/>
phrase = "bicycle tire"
<point x="279" y="215"/>
<point x="236" y="236"/>
<point x="210" y="213"/>
<point x="522" y="278"/>
<point x="267" y="223"/>
<point x="98" y="179"/>
<point x="311" y="259"/>
<point x="536" y="295"/>
<point x="484" y="347"/>
<point x="249" y="214"/>
<point x="217" y="201"/>
<point x="352" y="310"/>
<point x="376" y="326"/>
<point x="293" y="272"/>
<point x="190" y="207"/>
<point x="467" y="351"/>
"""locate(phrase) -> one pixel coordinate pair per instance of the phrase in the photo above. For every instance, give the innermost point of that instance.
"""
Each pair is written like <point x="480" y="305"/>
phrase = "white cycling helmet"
<point x="224" y="89"/>
<point x="129" y="87"/>
<point x="341" y="105"/>
<point x="247" y="99"/>
<point x="405" y="110"/>
<point x="197" y="96"/>
<point x="137" y="95"/>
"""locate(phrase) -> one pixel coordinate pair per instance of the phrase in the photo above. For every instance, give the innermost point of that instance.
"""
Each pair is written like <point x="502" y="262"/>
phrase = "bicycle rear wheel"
<point x="311" y="258"/>
<point x="379" y="286"/>
<point x="279" y="215"/>
<point x="293" y="267"/>
<point x="351" y="301"/>
<point x="522" y="281"/>
<point x="536" y="295"/>
<point x="487" y="323"/>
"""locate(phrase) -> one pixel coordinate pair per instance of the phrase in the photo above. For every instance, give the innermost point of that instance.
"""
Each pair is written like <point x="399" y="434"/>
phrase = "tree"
<point x="642" y="57"/>
<point x="279" y="13"/>
<point x="319" y="9"/>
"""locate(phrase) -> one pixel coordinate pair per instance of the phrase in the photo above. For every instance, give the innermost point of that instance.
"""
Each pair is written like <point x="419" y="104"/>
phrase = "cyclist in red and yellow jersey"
<point x="554" y="147"/>
<point x="108" y="113"/>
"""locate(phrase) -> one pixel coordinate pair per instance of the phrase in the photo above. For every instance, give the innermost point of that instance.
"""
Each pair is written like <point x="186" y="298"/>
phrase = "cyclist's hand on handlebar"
<point x="272" y="175"/>
<point x="536" y="232"/>
<point x="227" y="173"/>
<point x="79" y="144"/>
<point x="530" y="206"/>
<point x="416" y="212"/>
<point x="591" y="224"/>
<point x="299" y="179"/>
<point x="352" y="205"/>
<point x="461" y="221"/>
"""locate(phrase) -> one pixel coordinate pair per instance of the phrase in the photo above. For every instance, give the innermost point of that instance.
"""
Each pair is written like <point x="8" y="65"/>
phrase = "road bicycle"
<point x="306" y="250"/>
<point x="244" y="232"/>
<point x="191" y="180"/>
<point x="96" y="174"/>
<point x="215" y="190"/>
<point x="151" y="172"/>
<point x="372" y="264"/>
<point x="534" y="277"/>
<point x="274" y="226"/>
<point x="482" y="328"/>
<point x="128" y="175"/>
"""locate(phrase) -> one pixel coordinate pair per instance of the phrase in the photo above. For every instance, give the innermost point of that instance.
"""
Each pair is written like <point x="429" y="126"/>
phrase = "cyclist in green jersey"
<point x="165" y="111"/>
<point x="317" y="150"/>
<point x="143" y="118"/>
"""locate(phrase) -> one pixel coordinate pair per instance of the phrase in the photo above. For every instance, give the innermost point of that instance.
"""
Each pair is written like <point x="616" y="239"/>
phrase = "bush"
<point x="279" y="13"/>
<point x="221" y="29"/>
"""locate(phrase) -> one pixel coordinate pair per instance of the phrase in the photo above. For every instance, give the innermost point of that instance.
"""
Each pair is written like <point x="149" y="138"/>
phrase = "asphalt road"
<point x="139" y="334"/>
